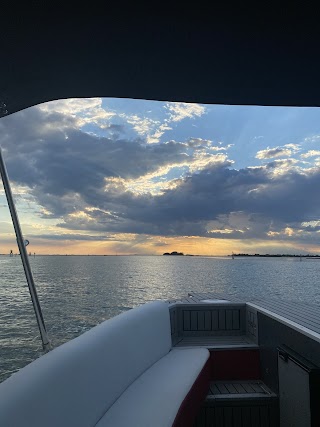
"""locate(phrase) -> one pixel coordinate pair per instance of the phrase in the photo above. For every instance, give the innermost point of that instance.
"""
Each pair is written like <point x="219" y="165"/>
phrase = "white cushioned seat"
<point x="154" y="399"/>
<point x="76" y="383"/>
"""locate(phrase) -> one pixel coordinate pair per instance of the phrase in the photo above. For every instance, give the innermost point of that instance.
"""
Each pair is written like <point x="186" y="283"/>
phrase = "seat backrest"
<point x="76" y="383"/>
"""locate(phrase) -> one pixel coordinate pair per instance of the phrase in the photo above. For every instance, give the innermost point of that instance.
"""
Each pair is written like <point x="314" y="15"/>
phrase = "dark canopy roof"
<point x="200" y="56"/>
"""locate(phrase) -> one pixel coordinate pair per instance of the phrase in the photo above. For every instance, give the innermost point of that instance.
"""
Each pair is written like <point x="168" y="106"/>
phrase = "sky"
<point x="119" y="176"/>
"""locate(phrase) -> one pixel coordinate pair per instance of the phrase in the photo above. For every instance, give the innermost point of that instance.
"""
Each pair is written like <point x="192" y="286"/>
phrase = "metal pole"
<point x="24" y="256"/>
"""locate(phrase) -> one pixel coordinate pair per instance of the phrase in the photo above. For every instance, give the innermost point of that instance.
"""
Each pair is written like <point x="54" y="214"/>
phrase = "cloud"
<point x="100" y="187"/>
<point x="312" y="138"/>
<point x="310" y="153"/>
<point x="142" y="125"/>
<point x="160" y="244"/>
<point x="66" y="169"/>
<point x="311" y="224"/>
<point x="74" y="237"/>
<point x="270" y="153"/>
<point x="206" y="144"/>
<point x="180" y="110"/>
<point x="218" y="202"/>
<point x="175" y="112"/>
<point x="83" y="110"/>
<point x="116" y="128"/>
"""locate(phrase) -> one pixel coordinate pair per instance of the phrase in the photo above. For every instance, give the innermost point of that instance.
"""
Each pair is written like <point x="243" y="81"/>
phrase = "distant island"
<point x="174" y="253"/>
<point x="275" y="255"/>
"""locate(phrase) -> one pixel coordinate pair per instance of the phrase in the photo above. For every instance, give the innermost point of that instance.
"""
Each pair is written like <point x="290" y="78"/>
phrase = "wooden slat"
<point x="185" y="300"/>
<point x="273" y="415"/>
<point x="231" y="388"/>
<point x="201" y="320"/>
<point x="207" y="320"/>
<point x="246" y="416"/>
<point x="248" y="388"/>
<point x="235" y="319"/>
<point x="246" y="397"/>
<point x="227" y="417"/>
<point x="255" y="416"/>
<point x="256" y="387"/>
<point x="292" y="311"/>
<point x="215" y="320"/>
<point x="299" y="314"/>
<point x="222" y="319"/>
<point x="264" y="416"/>
<point x="300" y="319"/>
<point x="222" y="388"/>
<point x="237" y="418"/>
<point x="173" y="314"/>
<point x="186" y="320"/>
<point x="222" y="341"/>
<point x="228" y="319"/>
<point x="201" y="418"/>
<point x="308" y="309"/>
<point x="239" y="388"/>
<point x="214" y="389"/>
<point x="210" y="416"/>
<point x="218" y="417"/>
<point x="194" y="320"/>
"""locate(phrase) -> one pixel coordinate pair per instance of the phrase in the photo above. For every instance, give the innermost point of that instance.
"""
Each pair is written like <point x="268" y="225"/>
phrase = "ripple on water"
<point x="76" y="293"/>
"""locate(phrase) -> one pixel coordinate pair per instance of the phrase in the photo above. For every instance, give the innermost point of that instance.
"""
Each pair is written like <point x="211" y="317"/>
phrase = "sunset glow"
<point x="108" y="177"/>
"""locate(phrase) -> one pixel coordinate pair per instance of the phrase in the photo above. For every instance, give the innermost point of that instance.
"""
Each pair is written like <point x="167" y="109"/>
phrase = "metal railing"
<point x="24" y="256"/>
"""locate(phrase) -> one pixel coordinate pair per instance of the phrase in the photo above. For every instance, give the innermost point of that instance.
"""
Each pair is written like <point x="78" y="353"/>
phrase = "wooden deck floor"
<point x="218" y="342"/>
<point x="238" y="389"/>
<point x="307" y="316"/>
<point x="239" y="403"/>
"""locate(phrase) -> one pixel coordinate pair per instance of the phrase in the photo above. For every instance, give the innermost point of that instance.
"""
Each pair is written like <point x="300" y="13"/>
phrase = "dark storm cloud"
<point x="271" y="203"/>
<point x="48" y="153"/>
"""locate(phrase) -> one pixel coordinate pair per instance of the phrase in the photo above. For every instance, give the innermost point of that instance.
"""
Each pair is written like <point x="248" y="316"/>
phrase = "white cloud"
<point x="310" y="153"/>
<point x="71" y="106"/>
<point x="85" y="110"/>
<point x="313" y="138"/>
<point x="312" y="224"/>
<point x="181" y="110"/>
<point x="203" y="160"/>
<point x="178" y="111"/>
<point x="222" y="231"/>
<point x="153" y="130"/>
<point x="275" y="152"/>
<point x="282" y="166"/>
<point x="157" y="182"/>
<point x="142" y="125"/>
<point x="155" y="137"/>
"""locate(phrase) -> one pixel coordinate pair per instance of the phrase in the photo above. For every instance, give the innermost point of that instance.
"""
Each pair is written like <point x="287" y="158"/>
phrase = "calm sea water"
<point x="78" y="292"/>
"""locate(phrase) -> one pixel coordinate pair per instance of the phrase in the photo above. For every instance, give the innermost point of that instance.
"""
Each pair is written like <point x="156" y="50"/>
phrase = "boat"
<point x="206" y="359"/>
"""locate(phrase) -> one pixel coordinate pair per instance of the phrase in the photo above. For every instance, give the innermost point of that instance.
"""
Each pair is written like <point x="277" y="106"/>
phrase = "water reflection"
<point x="76" y="293"/>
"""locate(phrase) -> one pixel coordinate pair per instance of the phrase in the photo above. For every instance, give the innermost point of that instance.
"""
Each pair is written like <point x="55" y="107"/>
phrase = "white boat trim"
<point x="299" y="328"/>
<point x="215" y="301"/>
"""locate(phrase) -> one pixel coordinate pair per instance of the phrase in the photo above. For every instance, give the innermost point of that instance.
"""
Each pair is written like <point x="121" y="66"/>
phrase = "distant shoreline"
<point x="275" y="256"/>
<point x="180" y="254"/>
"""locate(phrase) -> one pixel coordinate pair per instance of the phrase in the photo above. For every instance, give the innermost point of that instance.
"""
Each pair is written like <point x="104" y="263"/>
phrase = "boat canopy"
<point x="263" y="57"/>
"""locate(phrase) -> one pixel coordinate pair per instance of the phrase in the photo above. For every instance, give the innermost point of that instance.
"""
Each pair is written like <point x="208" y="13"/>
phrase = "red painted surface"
<point x="193" y="400"/>
<point x="235" y="365"/>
